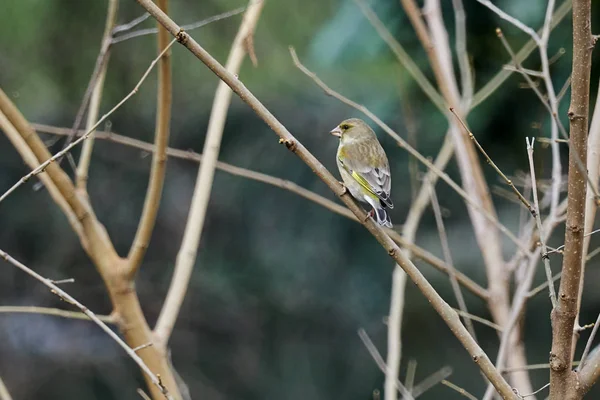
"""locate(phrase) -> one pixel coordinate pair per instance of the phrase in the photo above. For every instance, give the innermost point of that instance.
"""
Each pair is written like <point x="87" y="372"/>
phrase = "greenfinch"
<point x="364" y="167"/>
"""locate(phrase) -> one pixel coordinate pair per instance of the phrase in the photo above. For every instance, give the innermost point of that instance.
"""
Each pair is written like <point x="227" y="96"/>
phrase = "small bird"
<point x="364" y="167"/>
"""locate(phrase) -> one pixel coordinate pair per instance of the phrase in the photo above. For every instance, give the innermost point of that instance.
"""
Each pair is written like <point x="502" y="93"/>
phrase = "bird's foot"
<point x="370" y="214"/>
<point x="344" y="188"/>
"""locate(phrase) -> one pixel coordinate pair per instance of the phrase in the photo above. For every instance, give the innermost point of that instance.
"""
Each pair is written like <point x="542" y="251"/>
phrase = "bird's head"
<point x="352" y="129"/>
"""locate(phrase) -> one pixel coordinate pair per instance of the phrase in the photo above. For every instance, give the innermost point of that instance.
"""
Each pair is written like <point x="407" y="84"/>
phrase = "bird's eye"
<point x="345" y="127"/>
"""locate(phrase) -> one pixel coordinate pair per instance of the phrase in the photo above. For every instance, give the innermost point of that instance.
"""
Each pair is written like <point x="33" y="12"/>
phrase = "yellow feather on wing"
<point x="364" y="184"/>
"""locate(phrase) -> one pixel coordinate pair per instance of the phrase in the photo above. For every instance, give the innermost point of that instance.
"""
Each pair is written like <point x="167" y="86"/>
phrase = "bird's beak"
<point x="337" y="131"/>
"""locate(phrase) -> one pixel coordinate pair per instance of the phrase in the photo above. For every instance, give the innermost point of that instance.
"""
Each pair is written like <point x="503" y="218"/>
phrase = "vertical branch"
<point x="474" y="183"/>
<point x="563" y="382"/>
<point x="191" y="238"/>
<point x="439" y="221"/>
<point x="591" y="202"/>
<point x="466" y="77"/>
<point x="159" y="156"/>
<point x="394" y="339"/>
<point x="81" y="174"/>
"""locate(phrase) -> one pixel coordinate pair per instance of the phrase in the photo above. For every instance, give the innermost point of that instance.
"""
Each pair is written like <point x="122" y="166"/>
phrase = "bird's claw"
<point x="370" y="214"/>
<point x="344" y="189"/>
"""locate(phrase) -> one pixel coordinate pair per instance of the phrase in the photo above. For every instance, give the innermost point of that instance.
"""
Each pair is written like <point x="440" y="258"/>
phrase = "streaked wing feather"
<point x="376" y="179"/>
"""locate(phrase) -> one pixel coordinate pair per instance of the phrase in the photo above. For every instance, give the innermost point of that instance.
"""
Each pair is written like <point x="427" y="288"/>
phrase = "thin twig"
<point x="534" y="393"/>
<point x="109" y="319"/>
<point x="560" y="248"/>
<point x="512" y="20"/>
<point x="522" y="54"/>
<point x="588" y="345"/>
<point x="592" y="254"/>
<point x="462" y="305"/>
<point x="188" y="27"/>
<point x="531" y="367"/>
<point x="372" y="349"/>
<point x="479" y="319"/>
<point x="554" y="117"/>
<point x="458" y="389"/>
<point x="538" y="221"/>
<point x="431" y="381"/>
<point x="130" y="25"/>
<point x="69" y="299"/>
<point x="32" y="162"/>
<point x="543" y="286"/>
<point x="493" y="164"/>
<point x="143" y="394"/>
<point x="61" y="153"/>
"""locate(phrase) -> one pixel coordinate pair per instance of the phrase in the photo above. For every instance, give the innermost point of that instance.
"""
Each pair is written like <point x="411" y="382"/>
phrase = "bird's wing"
<point x="374" y="176"/>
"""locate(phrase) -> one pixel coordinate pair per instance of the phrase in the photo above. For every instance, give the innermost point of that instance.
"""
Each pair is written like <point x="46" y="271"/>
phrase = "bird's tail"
<point x="383" y="217"/>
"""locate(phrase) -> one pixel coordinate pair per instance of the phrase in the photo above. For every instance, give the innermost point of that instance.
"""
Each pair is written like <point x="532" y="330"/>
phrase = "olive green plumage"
<point x="364" y="167"/>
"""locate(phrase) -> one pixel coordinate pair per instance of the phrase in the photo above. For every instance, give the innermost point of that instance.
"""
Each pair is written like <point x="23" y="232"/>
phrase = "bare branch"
<point x="466" y="75"/>
<point x="32" y="162"/>
<point x="188" y="27"/>
<point x="69" y="299"/>
<point x="462" y="305"/>
<point x="193" y="229"/>
<point x="525" y="51"/>
<point x="513" y="20"/>
<point x="591" y="201"/>
<point x="159" y="156"/>
<point x="564" y="383"/>
<point x="493" y="164"/>
<point x="538" y="221"/>
<point x="109" y="319"/>
<point x="130" y="25"/>
<point x="458" y="389"/>
<point x="372" y="349"/>
<point x="588" y="345"/>
<point x="479" y="319"/>
<point x="81" y="173"/>
<point x="4" y="393"/>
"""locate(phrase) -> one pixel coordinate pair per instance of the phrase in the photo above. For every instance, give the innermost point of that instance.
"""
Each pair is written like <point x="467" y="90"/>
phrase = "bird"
<point x="364" y="167"/>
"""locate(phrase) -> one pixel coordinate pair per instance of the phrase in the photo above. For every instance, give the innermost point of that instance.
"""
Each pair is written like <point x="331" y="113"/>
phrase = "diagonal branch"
<point x="4" y="393"/>
<point x="69" y="299"/>
<point x="444" y="310"/>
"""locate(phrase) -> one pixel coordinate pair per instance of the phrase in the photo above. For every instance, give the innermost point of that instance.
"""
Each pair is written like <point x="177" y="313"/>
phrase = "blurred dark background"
<point x="281" y="285"/>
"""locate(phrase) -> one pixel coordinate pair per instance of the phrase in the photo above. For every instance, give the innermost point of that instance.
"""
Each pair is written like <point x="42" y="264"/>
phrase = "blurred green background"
<point x="281" y="285"/>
